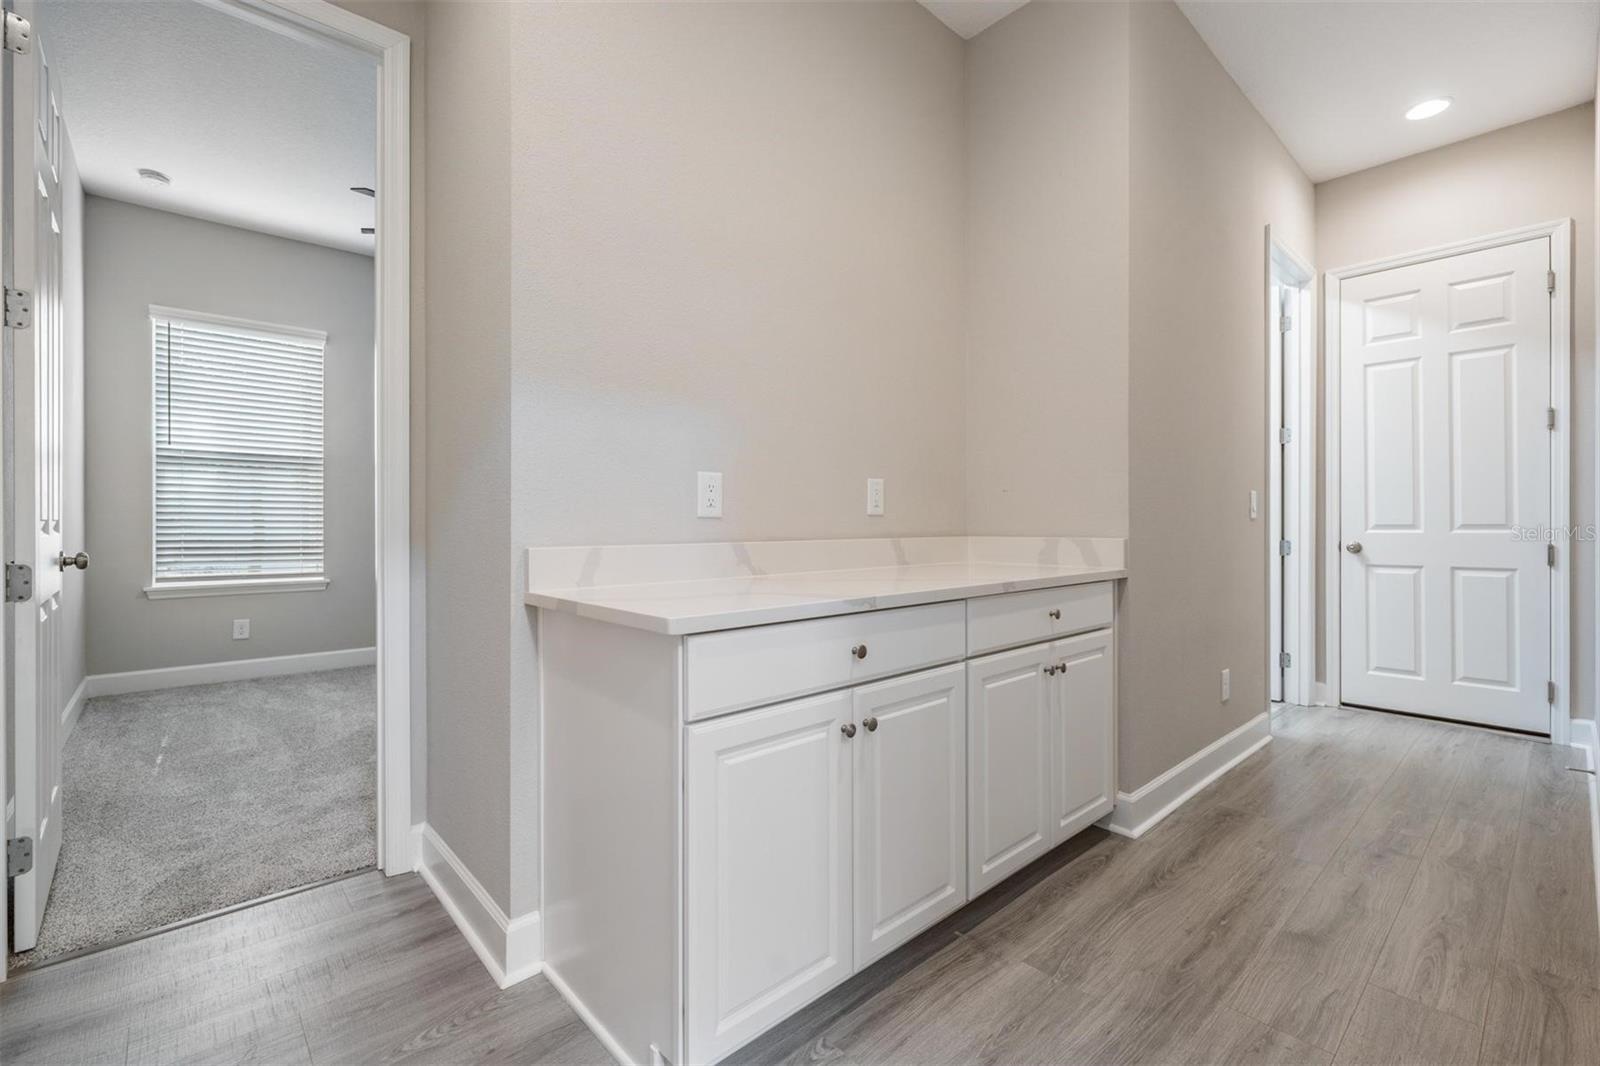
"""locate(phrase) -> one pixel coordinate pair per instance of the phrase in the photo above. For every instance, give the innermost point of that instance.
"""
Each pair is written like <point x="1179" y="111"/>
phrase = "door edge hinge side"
<point x="19" y="856"/>
<point x="19" y="582"/>
<point x="18" y="308"/>
<point x="18" y="34"/>
<point x="1550" y="554"/>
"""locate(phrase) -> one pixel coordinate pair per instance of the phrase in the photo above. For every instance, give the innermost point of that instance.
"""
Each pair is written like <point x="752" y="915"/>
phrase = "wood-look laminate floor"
<point x="1366" y="889"/>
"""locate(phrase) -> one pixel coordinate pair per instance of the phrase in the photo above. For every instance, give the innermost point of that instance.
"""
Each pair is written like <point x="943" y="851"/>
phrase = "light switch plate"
<point x="708" y="494"/>
<point x="874" y="495"/>
<point x="1227" y="685"/>
<point x="1255" y="505"/>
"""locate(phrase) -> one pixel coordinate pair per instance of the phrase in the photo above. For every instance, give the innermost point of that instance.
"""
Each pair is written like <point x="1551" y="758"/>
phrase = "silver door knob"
<point x="871" y="723"/>
<point x="1055" y="612"/>
<point x="859" y="651"/>
<point x="1354" y="547"/>
<point x="848" y="729"/>
<point x="67" y="562"/>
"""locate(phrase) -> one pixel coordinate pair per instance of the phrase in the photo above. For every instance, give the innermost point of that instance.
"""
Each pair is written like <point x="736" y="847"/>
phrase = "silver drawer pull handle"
<point x="1055" y="612"/>
<point x="848" y="729"/>
<point x="859" y="651"/>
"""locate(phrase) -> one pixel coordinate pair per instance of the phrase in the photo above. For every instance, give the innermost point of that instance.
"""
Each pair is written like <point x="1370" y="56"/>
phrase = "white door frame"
<point x="1560" y="234"/>
<point x="1291" y="515"/>
<point x="322" y="22"/>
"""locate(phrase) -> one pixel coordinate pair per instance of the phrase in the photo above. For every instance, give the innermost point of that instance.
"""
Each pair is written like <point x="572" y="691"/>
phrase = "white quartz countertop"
<point x="705" y="604"/>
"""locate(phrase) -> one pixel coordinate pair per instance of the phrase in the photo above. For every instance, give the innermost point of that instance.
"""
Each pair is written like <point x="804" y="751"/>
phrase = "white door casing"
<point x="1445" y="469"/>
<point x="1008" y="764"/>
<point x="767" y="867"/>
<point x="36" y="531"/>
<point x="910" y="807"/>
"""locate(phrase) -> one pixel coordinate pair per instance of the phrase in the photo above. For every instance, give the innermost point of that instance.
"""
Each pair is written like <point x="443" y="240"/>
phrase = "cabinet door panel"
<point x="1008" y="764"/>
<point x="768" y="868"/>
<point x="911" y="807"/>
<point x="1083" y="732"/>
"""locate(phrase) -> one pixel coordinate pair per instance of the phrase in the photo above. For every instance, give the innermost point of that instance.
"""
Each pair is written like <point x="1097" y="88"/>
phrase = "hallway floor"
<point x="1367" y="888"/>
<point x="183" y="801"/>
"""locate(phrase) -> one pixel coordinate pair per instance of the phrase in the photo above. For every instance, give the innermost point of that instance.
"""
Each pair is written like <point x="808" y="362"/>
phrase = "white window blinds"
<point x="238" y="449"/>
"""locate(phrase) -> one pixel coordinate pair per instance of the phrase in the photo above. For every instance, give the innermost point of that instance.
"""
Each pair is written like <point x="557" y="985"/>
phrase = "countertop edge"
<point x="688" y="625"/>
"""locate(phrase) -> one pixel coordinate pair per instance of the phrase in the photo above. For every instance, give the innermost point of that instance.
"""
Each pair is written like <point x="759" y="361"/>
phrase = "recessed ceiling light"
<point x="154" y="177"/>
<point x="1428" y="108"/>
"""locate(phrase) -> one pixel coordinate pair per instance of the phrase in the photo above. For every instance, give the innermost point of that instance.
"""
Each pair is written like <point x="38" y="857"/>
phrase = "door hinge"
<point x="1285" y="323"/>
<point x="1550" y="418"/>
<point x="19" y="856"/>
<point x="19" y="582"/>
<point x="1285" y="547"/>
<point x="1285" y="660"/>
<point x="1550" y="555"/>
<point x="1550" y="281"/>
<point x="1285" y="434"/>
<point x="19" y="308"/>
<point x="18" y="34"/>
<point x="1550" y="691"/>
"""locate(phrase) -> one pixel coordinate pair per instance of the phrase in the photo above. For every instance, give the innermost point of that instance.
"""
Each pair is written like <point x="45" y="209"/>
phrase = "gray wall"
<point x="136" y="257"/>
<point x="1523" y="174"/>
<point x="74" y="594"/>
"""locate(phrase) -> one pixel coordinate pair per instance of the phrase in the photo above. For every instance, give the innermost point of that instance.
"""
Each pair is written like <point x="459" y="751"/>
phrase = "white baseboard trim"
<point x="509" y="948"/>
<point x="232" y="670"/>
<point x="1140" y="811"/>
<point x="601" y="1033"/>
<point x="74" y="709"/>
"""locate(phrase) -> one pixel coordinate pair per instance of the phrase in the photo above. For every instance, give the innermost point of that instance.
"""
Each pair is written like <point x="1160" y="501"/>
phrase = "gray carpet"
<point x="187" y="800"/>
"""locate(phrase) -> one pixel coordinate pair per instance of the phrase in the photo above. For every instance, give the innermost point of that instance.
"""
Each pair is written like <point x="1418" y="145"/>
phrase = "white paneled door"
<point x="1445" y="487"/>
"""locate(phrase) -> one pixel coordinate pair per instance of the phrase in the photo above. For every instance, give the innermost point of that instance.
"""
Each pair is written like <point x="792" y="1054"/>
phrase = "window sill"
<point x="177" y="590"/>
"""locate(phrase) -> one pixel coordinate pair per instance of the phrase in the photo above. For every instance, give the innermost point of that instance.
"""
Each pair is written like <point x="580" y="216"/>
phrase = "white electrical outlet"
<point x="874" y="495"/>
<point x="1227" y="685"/>
<point x="708" y="494"/>
<point x="241" y="629"/>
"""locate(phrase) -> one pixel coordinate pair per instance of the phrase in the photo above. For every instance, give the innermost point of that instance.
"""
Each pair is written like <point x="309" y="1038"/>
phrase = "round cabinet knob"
<point x="1354" y="547"/>
<point x="871" y="723"/>
<point x="848" y="729"/>
<point x="67" y="562"/>
<point x="1055" y="612"/>
<point x="859" y="651"/>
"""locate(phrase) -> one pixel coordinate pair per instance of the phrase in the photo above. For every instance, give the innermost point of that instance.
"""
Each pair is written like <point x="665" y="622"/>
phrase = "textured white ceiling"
<point x="971" y="17"/>
<point x="1335" y="77"/>
<point x="256" y="128"/>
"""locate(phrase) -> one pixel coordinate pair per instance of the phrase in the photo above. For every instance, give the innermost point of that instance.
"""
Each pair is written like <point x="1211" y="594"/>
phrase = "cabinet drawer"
<point x="1025" y="617"/>
<point x="739" y="668"/>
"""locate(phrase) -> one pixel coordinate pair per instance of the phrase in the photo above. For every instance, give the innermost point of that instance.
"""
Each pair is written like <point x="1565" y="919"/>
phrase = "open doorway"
<point x="1291" y="377"/>
<point x="194" y="682"/>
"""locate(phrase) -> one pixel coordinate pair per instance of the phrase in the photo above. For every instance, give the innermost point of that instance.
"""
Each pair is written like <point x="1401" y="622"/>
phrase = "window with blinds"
<point x="238" y="450"/>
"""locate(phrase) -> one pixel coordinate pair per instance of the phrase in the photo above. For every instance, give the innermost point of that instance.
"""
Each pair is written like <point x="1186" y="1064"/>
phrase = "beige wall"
<point x="1047" y="272"/>
<point x="469" y="547"/>
<point x="1528" y="173"/>
<point x="1207" y="177"/>
<point x="666" y="238"/>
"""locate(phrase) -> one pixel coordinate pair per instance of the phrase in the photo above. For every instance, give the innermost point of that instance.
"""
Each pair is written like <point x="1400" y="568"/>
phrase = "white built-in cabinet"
<point x="823" y="833"/>
<point x="845" y="783"/>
